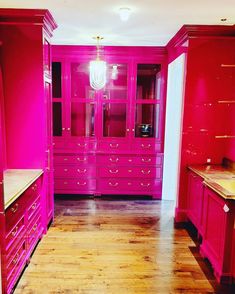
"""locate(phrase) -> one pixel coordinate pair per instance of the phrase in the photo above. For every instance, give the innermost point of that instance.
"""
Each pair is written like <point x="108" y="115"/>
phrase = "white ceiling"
<point x="152" y="22"/>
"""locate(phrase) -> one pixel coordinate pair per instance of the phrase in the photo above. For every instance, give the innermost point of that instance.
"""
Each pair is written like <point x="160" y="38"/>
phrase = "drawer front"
<point x="75" y="185"/>
<point x="75" y="171"/>
<point x="14" y="211"/>
<point x="74" y="159"/>
<point x="80" y="146"/>
<point x="34" y="190"/>
<point x="34" y="232"/>
<point x="14" y="233"/>
<point x="15" y="262"/>
<point x="34" y="207"/>
<point x="147" y="147"/>
<point x="148" y="172"/>
<point x="113" y="147"/>
<point x="114" y="159"/>
<point x="123" y="186"/>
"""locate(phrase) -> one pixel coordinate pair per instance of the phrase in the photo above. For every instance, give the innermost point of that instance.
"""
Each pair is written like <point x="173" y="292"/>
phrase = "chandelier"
<point x="98" y="69"/>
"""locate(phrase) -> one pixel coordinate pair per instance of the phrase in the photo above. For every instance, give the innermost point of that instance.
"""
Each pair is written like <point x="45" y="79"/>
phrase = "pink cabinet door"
<point x="217" y="244"/>
<point x="195" y="200"/>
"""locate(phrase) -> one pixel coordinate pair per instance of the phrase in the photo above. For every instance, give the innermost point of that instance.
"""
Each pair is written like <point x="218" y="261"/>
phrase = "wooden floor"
<point x="106" y="246"/>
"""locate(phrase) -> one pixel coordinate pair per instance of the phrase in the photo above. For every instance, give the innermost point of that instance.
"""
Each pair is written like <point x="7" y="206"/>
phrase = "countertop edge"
<point x="21" y="191"/>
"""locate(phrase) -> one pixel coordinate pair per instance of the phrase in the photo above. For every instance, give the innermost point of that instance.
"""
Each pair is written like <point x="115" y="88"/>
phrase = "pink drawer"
<point x="75" y="171"/>
<point x="74" y="159"/>
<point x="118" y="172"/>
<point x="146" y="146"/>
<point x="34" y="190"/>
<point x="14" y="233"/>
<point x="78" y="185"/>
<point x="34" y="232"/>
<point x="33" y="208"/>
<point x="14" y="263"/>
<point x="81" y="145"/>
<point x="127" y="160"/>
<point x="123" y="186"/>
<point x="115" y="146"/>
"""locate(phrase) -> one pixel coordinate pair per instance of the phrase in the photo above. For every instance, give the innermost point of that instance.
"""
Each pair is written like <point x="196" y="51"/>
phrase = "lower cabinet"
<point x="195" y="201"/>
<point x="217" y="243"/>
<point x="23" y="229"/>
<point x="108" y="174"/>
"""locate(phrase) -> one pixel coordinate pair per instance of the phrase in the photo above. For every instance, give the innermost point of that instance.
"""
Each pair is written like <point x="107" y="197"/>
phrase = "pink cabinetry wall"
<point x="98" y="144"/>
<point x="26" y="131"/>
<point x="208" y="100"/>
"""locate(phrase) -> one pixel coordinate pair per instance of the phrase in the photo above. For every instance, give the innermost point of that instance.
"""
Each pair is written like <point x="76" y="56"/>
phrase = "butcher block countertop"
<point x="219" y="178"/>
<point x="16" y="181"/>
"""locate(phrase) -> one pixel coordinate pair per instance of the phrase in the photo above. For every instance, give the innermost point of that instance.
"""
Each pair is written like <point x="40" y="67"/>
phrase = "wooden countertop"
<point x="218" y="178"/>
<point x="16" y="181"/>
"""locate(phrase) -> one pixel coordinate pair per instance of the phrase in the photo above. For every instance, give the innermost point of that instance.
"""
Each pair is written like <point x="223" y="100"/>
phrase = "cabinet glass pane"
<point x="114" y="119"/>
<point x="116" y="87"/>
<point x="80" y="83"/>
<point x="148" y="81"/>
<point x="57" y="119"/>
<point x="56" y="79"/>
<point x="146" y="122"/>
<point x="82" y="119"/>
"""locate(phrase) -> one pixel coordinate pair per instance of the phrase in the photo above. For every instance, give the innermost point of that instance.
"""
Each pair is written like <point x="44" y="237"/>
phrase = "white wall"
<point x="174" y="109"/>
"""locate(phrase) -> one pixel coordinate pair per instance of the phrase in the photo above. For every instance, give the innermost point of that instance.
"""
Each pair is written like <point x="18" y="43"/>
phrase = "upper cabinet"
<point x="128" y="108"/>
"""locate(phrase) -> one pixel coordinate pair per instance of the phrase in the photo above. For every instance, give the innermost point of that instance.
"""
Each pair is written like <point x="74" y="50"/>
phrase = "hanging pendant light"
<point x="98" y="69"/>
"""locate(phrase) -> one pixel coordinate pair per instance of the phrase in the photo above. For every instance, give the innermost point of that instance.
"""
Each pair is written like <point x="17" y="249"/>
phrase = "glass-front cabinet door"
<point x="114" y="102"/>
<point x="147" y="101"/>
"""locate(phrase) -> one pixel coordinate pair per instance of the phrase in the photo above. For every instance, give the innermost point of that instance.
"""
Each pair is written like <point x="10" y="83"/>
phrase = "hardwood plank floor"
<point x="116" y="246"/>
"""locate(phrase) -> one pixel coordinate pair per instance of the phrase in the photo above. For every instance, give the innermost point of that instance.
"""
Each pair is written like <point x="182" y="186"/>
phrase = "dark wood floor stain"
<point x="117" y="246"/>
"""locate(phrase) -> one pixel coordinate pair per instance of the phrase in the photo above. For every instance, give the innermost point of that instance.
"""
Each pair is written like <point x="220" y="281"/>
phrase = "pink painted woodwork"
<point x="112" y="133"/>
<point x="208" y="120"/>
<point x="195" y="201"/>
<point x="25" y="132"/>
<point x="217" y="241"/>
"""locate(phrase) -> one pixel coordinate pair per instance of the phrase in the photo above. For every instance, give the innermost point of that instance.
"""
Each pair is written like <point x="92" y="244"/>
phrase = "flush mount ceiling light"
<point x="124" y="13"/>
<point x="98" y="69"/>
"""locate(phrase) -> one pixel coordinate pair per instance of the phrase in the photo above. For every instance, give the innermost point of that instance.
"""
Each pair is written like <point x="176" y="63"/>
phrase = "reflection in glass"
<point x="147" y="117"/>
<point x="80" y="84"/>
<point x="82" y="119"/>
<point x="116" y="87"/>
<point x="56" y="79"/>
<point x="114" y="120"/>
<point x="148" y="81"/>
<point x="57" y="119"/>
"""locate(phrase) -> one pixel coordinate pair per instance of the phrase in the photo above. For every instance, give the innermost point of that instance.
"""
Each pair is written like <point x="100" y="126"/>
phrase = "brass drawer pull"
<point x="113" y="145"/>
<point x="146" y="160"/>
<point x="80" y="159"/>
<point x="129" y="170"/>
<point x="13" y="233"/>
<point x="146" y="146"/>
<point x="65" y="159"/>
<point x="65" y="169"/>
<point x="145" y="172"/>
<point x="15" y="260"/>
<point x="82" y="145"/>
<point x="35" y="227"/>
<point x="14" y="209"/>
<point x="113" y="159"/>
<point x="82" y="171"/>
<point x="65" y="183"/>
<point x="81" y="184"/>
<point x="113" y="171"/>
<point x="145" y="185"/>
<point x="113" y="184"/>
<point x="34" y="206"/>
<point x="130" y="160"/>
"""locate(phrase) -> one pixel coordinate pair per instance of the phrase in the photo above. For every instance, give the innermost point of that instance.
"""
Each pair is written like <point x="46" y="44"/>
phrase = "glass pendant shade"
<point x="98" y="70"/>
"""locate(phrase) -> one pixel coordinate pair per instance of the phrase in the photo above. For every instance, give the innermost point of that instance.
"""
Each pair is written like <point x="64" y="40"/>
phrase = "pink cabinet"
<point x="195" y="200"/>
<point x="217" y="243"/>
<point x="21" y="230"/>
<point x="120" y="126"/>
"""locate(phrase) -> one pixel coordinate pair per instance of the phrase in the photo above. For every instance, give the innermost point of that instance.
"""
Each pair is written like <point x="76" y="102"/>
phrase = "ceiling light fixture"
<point x="124" y="13"/>
<point x="98" y="69"/>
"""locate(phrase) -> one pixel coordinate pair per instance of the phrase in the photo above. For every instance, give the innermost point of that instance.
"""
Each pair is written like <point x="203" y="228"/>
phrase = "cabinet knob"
<point x="133" y="130"/>
<point x="128" y="130"/>
<point x="226" y="208"/>
<point x="15" y="208"/>
<point x="68" y="129"/>
<point x="15" y="260"/>
<point x="65" y="169"/>
<point x="35" y="227"/>
<point x="63" y="129"/>
<point x="34" y="206"/>
<point x="13" y="233"/>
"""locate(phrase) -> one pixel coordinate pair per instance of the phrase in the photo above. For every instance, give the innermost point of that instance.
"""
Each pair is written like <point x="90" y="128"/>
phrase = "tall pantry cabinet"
<point x="26" y="175"/>
<point x="109" y="141"/>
